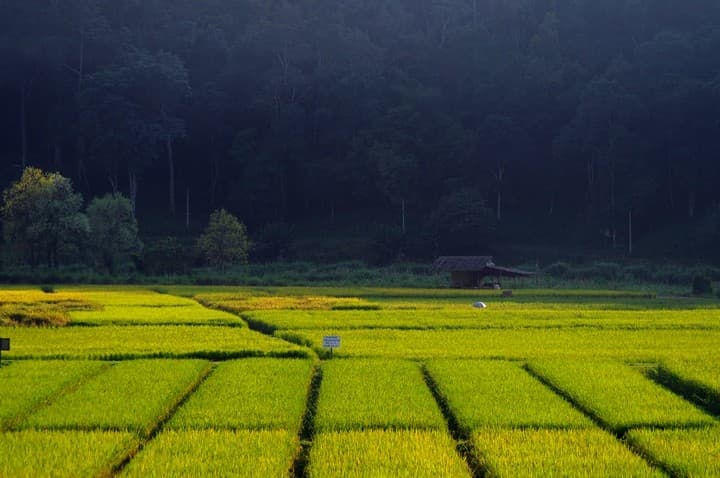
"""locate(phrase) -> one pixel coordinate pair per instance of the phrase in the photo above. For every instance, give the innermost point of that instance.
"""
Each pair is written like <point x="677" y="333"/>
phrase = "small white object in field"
<point x="479" y="305"/>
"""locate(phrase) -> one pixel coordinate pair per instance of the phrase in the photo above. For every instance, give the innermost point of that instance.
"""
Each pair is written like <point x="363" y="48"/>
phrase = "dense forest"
<point x="548" y="122"/>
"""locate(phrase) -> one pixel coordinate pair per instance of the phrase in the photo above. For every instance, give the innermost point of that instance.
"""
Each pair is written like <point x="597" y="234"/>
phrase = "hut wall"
<point x="463" y="279"/>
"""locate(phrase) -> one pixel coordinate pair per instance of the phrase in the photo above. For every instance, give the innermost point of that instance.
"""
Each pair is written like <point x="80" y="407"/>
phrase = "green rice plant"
<point x="66" y="299"/>
<point x="117" y="343"/>
<point x="367" y="394"/>
<point x="37" y="308"/>
<point x="26" y="384"/>
<point x="619" y="396"/>
<point x="386" y="453"/>
<point x="703" y="377"/>
<point x="131" y="396"/>
<point x="172" y="453"/>
<point x="249" y="394"/>
<point x="56" y="454"/>
<point x="555" y="453"/>
<point x="494" y="317"/>
<point x="130" y="296"/>
<point x="166" y="315"/>
<point x="685" y="453"/>
<point x="501" y="394"/>
<point x="516" y="344"/>
<point x="241" y="303"/>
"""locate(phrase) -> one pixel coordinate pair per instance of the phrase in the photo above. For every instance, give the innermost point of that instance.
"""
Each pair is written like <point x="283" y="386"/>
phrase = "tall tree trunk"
<point x="671" y="186"/>
<point x="80" y="162"/>
<point x="499" y="177"/>
<point x="133" y="189"/>
<point x="57" y="154"/>
<point x="630" y="233"/>
<point x="23" y="126"/>
<point x="691" y="204"/>
<point x="81" y="63"/>
<point x="171" y="175"/>
<point x="187" y="208"/>
<point x="611" y="173"/>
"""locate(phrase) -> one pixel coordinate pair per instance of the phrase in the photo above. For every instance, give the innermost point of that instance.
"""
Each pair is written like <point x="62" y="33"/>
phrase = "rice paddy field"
<point x="235" y="381"/>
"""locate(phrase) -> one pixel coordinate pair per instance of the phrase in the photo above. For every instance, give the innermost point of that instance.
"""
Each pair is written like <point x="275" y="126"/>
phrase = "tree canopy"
<point x="563" y="117"/>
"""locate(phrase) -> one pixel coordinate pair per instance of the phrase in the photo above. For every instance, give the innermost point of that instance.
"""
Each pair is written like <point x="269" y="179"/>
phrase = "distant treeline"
<point x="556" y="119"/>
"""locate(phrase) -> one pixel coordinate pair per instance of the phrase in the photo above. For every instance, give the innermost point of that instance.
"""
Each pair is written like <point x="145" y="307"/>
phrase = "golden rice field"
<point x="185" y="381"/>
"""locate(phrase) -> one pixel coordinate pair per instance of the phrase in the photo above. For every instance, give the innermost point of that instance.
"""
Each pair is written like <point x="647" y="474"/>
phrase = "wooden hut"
<point x="471" y="271"/>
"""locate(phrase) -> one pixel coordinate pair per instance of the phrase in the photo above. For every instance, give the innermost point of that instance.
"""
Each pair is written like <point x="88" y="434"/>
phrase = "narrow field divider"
<point x="307" y="426"/>
<point x="692" y="391"/>
<point x="620" y="435"/>
<point x="118" y="467"/>
<point x="465" y="445"/>
<point x="13" y="423"/>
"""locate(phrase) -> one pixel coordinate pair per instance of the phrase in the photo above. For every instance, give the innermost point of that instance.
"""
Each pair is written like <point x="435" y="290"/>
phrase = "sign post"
<point x="331" y="342"/>
<point x="4" y="345"/>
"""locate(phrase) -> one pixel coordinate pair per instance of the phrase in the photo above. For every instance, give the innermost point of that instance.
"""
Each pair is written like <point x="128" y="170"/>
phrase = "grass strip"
<point x="130" y="396"/>
<point x="619" y="396"/>
<point x="257" y="393"/>
<point x="496" y="316"/>
<point x="238" y="303"/>
<point x="27" y="384"/>
<point x="391" y="453"/>
<point x="685" y="453"/>
<point x="367" y="394"/>
<point x="516" y="344"/>
<point x="143" y="315"/>
<point x="31" y="453"/>
<point x="119" y="343"/>
<point x="501" y="394"/>
<point x="548" y="453"/>
<point x="307" y="430"/>
<point x="129" y="296"/>
<point x="174" y="453"/>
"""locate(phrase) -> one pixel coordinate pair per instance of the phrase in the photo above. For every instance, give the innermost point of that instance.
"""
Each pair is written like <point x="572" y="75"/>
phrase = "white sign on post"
<point x="331" y="341"/>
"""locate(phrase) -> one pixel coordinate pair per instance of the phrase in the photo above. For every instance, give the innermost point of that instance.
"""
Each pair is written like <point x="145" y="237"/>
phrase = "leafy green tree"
<point x="463" y="224"/>
<point x="113" y="230"/>
<point x="41" y="217"/>
<point x="225" y="241"/>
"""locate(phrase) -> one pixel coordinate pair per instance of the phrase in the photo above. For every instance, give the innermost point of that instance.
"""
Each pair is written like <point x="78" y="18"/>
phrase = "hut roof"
<point x="507" y="272"/>
<point x="476" y="264"/>
<point x="462" y="263"/>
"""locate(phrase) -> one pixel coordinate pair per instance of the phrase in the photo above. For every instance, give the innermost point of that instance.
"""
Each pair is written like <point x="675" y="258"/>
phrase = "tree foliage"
<point x="42" y="217"/>
<point x="463" y="224"/>
<point x="569" y="114"/>
<point x="113" y="230"/>
<point x="225" y="241"/>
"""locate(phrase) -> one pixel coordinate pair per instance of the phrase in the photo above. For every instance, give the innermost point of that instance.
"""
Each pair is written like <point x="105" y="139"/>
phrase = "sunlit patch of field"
<point x="210" y="453"/>
<point x="386" y="453"/>
<point x="542" y="453"/>
<point x="27" y="384"/>
<point x="61" y="454"/>
<point x="190" y="314"/>
<point x="129" y="396"/>
<point x="482" y="393"/>
<point x="468" y="317"/>
<point x="375" y="394"/>
<point x="517" y="344"/>
<point x="117" y="343"/>
<point x="619" y="396"/>
<point x="542" y="383"/>
<point x="249" y="394"/>
<point x="684" y="452"/>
